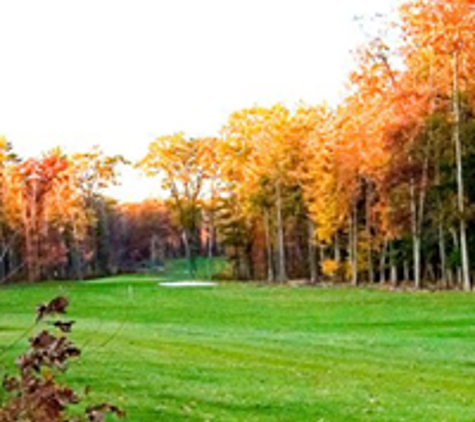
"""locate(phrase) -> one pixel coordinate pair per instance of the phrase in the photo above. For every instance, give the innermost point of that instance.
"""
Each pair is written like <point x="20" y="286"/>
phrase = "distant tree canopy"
<point x="56" y="222"/>
<point x="378" y="188"/>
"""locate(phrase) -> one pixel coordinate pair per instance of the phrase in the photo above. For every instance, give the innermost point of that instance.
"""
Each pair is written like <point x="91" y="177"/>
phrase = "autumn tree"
<point x="92" y="172"/>
<point x="31" y="183"/>
<point x="144" y="235"/>
<point x="8" y="235"/>
<point x="179" y="162"/>
<point x="441" y="33"/>
<point x="260" y="151"/>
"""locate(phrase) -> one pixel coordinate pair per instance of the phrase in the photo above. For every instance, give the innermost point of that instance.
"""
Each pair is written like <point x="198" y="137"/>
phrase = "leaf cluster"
<point x="35" y="394"/>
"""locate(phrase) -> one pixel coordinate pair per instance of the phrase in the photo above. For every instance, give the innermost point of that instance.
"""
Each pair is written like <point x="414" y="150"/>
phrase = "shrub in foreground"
<point x="35" y="394"/>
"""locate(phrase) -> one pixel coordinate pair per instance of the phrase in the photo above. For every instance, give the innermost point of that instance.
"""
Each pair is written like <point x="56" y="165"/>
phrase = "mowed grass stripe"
<point x="252" y="353"/>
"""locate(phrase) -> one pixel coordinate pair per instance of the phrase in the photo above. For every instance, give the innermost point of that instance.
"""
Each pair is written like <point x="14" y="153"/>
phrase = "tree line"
<point x="379" y="188"/>
<point x="376" y="189"/>
<point x="57" y="223"/>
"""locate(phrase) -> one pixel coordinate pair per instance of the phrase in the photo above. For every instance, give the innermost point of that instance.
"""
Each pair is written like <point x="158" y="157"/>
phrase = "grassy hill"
<point x="240" y="352"/>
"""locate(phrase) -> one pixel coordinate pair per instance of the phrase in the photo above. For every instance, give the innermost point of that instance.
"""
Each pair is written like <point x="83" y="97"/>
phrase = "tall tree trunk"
<point x="369" y="234"/>
<point x="417" y="215"/>
<point x="441" y="234"/>
<point x="406" y="270"/>
<point x="382" y="262"/>
<point x="312" y="258"/>
<point x="270" y="262"/>
<point x="210" y="246"/>
<point x="442" y="256"/>
<point x="450" y="277"/>
<point x="393" y="265"/>
<point x="429" y="270"/>
<point x="249" y="275"/>
<point x="281" y="270"/>
<point x="102" y="239"/>
<point x="153" y="250"/>
<point x="467" y="285"/>
<point x="3" y="270"/>
<point x="416" y="242"/>
<point x="77" y="260"/>
<point x="444" y="276"/>
<point x="456" y="242"/>
<point x="337" y="251"/>
<point x="3" y="229"/>
<point x="354" y="244"/>
<point x="27" y="223"/>
<point x="3" y="255"/>
<point x="35" y="234"/>
<point x="188" y="253"/>
<point x="321" y="252"/>
<point x="74" y="266"/>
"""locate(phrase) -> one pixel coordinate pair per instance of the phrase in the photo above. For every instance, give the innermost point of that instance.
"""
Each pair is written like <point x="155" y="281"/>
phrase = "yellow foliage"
<point x="329" y="267"/>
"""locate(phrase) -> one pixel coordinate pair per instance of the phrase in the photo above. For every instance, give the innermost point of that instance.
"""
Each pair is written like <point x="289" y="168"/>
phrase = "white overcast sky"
<point x="118" y="73"/>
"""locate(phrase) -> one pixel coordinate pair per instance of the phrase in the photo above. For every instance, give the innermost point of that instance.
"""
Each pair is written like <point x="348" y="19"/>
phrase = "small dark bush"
<point x="35" y="394"/>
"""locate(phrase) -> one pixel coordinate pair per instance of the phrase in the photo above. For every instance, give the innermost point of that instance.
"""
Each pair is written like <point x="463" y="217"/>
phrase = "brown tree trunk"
<point x="210" y="247"/>
<point x="406" y="270"/>
<point x="354" y="244"/>
<point x="416" y="243"/>
<point x="312" y="258"/>
<point x="270" y="262"/>
<point x="456" y="241"/>
<point x="281" y="268"/>
<point x="467" y="285"/>
<point x="443" y="257"/>
<point x="188" y="253"/>
<point x="369" y="234"/>
<point x="382" y="262"/>
<point x="393" y="265"/>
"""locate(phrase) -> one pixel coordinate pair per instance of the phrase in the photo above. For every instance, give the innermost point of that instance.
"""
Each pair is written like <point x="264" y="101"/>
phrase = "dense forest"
<point x="57" y="223"/>
<point x="377" y="189"/>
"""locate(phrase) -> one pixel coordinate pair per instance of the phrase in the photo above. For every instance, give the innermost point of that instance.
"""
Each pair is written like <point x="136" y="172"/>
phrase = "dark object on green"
<point x="35" y="394"/>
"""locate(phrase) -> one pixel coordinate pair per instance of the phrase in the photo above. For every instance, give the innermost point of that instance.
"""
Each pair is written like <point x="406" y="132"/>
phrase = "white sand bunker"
<point x="188" y="284"/>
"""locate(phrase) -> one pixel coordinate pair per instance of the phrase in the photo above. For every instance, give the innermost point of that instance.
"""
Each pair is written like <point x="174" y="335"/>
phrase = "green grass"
<point x="251" y="353"/>
<point x="178" y="269"/>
